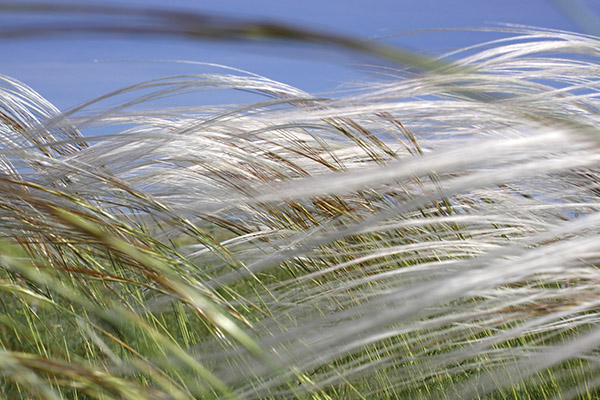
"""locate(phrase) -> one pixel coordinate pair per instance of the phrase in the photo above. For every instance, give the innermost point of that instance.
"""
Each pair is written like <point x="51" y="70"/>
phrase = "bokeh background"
<point x="70" y="69"/>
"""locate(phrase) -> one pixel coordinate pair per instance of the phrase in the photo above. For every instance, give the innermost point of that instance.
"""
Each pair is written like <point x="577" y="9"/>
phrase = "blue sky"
<point x="68" y="70"/>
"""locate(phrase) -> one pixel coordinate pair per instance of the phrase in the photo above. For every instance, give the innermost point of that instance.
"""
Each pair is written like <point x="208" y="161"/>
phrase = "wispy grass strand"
<point x="431" y="235"/>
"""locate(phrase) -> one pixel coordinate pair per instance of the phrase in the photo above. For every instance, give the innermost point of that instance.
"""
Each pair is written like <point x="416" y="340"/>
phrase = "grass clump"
<point x="434" y="235"/>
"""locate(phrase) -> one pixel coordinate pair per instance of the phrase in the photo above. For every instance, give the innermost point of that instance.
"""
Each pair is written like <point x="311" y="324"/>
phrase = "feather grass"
<point x="434" y="235"/>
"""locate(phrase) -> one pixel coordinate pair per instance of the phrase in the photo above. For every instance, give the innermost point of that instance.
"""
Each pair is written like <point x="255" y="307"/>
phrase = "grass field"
<point x="433" y="234"/>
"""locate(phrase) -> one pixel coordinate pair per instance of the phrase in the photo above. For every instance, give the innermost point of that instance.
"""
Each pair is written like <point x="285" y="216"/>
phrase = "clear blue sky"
<point x="64" y="70"/>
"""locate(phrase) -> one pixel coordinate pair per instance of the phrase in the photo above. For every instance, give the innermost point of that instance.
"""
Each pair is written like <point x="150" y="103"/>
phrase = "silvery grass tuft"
<point x="430" y="235"/>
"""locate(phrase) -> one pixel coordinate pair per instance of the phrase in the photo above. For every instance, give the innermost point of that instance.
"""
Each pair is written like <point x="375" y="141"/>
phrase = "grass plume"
<point x="431" y="235"/>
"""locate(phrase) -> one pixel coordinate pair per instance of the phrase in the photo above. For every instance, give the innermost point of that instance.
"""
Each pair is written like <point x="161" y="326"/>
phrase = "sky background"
<point x="71" y="69"/>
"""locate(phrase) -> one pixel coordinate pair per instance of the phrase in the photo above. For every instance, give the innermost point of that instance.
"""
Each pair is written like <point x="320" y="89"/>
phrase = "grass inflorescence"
<point x="432" y="235"/>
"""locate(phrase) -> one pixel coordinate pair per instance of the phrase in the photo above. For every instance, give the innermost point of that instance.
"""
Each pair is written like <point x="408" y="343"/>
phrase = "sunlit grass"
<point x="434" y="235"/>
